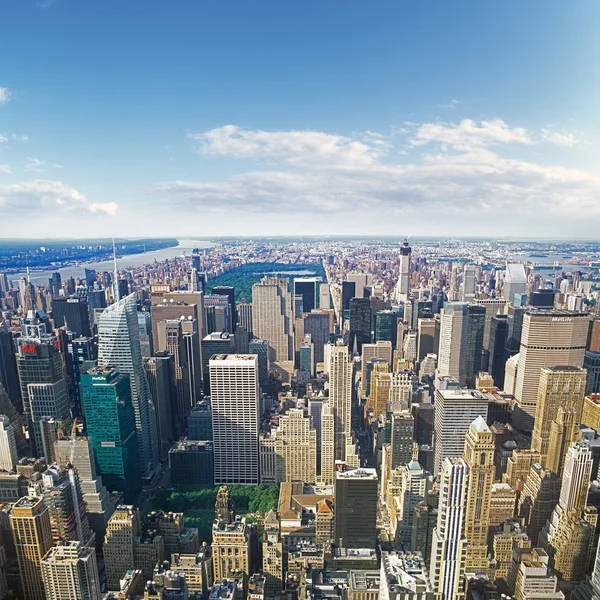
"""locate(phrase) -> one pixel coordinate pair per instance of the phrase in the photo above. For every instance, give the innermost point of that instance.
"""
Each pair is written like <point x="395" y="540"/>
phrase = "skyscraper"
<point x="229" y="291"/>
<point x="123" y="528"/>
<point x="550" y="337"/>
<point x="360" y="322"/>
<point x="273" y="320"/>
<point x="72" y="313"/>
<point x="110" y="421"/>
<point x="32" y="534"/>
<point x="119" y="346"/>
<point x="453" y="341"/>
<point x="497" y="351"/>
<point x="160" y="372"/>
<point x="559" y="406"/>
<point x="469" y="282"/>
<point x="474" y="349"/>
<point x="403" y="286"/>
<point x="307" y="288"/>
<point x="261" y="349"/>
<point x="70" y="572"/>
<point x="235" y="399"/>
<point x="515" y="281"/>
<point x="327" y="444"/>
<point x="448" y="548"/>
<point x="8" y="445"/>
<point x="340" y="395"/>
<point x="479" y="456"/>
<point x="9" y="376"/>
<point x="355" y="516"/>
<point x="317" y="324"/>
<point x="324" y="296"/>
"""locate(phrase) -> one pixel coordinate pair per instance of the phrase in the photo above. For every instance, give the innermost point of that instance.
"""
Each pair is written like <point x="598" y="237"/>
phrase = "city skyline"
<point x="116" y="118"/>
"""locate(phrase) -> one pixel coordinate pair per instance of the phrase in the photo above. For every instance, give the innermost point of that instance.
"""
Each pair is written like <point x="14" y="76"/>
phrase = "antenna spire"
<point x="116" y="273"/>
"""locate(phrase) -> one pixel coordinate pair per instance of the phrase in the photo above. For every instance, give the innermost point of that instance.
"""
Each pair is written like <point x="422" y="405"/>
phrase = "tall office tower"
<point x="569" y="532"/>
<point x="70" y="572"/>
<point x="100" y="505"/>
<point x="174" y="305"/>
<point x="558" y="410"/>
<point x="72" y="313"/>
<point x="216" y="314"/>
<point x="273" y="321"/>
<point x="47" y="400"/>
<point x="479" y="456"/>
<point x="515" y="316"/>
<point x="360" y="322"/>
<point x="538" y="499"/>
<point x="110" y="420"/>
<point x="318" y="325"/>
<point x="4" y="286"/>
<point x="497" y="351"/>
<point x="402" y="291"/>
<point x="327" y="472"/>
<point x="272" y="550"/>
<point x="215" y="343"/>
<point x="453" y="341"/>
<point x="261" y="349"/>
<point x="307" y="288"/>
<point x="229" y="291"/>
<point x="340" y="396"/>
<point x="415" y="484"/>
<point x="118" y="550"/>
<point x="382" y="350"/>
<point x="401" y="438"/>
<point x="8" y="445"/>
<point x="9" y="375"/>
<point x="550" y="337"/>
<point x="296" y="447"/>
<point x="170" y="339"/>
<point x="81" y="355"/>
<point x="38" y="361"/>
<point x="244" y="311"/>
<point x="492" y="306"/>
<point x="361" y="281"/>
<point x="200" y="421"/>
<point x="515" y="281"/>
<point x="455" y="410"/>
<point x="32" y="535"/>
<point x="348" y="292"/>
<point x="324" y="296"/>
<point x="119" y="346"/>
<point x="448" y="546"/>
<point x="235" y="398"/>
<point x="386" y="326"/>
<point x="591" y="363"/>
<point x="426" y="338"/>
<point x="410" y="347"/>
<point x="474" y="350"/>
<point x="7" y="409"/>
<point x="354" y="521"/>
<point x="469" y="283"/>
<point x="160" y="372"/>
<point x="146" y="341"/>
<point x="307" y="357"/>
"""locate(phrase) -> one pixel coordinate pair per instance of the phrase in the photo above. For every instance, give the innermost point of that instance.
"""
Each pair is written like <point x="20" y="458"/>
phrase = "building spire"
<point x="116" y="273"/>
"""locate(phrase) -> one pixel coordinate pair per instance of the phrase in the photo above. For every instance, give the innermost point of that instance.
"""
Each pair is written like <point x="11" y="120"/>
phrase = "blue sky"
<point x="241" y="118"/>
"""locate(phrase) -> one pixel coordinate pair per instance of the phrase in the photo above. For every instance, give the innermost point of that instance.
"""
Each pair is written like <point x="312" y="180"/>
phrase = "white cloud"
<point x="560" y="138"/>
<point x="297" y="148"/>
<point x="40" y="166"/>
<point x="41" y="194"/>
<point x="3" y="138"/>
<point x="20" y="138"/>
<point x="5" y="169"/>
<point x="5" y="94"/>
<point x="462" y="176"/>
<point x="469" y="134"/>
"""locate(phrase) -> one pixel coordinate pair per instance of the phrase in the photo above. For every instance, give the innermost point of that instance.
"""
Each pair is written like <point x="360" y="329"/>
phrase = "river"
<point x="131" y="260"/>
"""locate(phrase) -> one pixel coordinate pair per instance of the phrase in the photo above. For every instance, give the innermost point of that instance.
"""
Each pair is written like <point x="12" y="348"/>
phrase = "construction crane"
<point x="71" y="470"/>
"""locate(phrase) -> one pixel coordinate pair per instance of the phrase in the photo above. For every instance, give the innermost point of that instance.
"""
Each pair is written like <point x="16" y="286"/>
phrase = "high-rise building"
<point x="380" y="349"/>
<point x="497" y="352"/>
<point x="160" y="373"/>
<point x="558" y="410"/>
<point x="273" y="320"/>
<point x="454" y="328"/>
<point x="469" y="282"/>
<point x="235" y="399"/>
<point x="324" y="296"/>
<point x="81" y="355"/>
<point x="340" y="395"/>
<point x="296" y="447"/>
<point x="32" y="535"/>
<point x="474" y="349"/>
<point x="515" y="281"/>
<point x="231" y="550"/>
<point x="110" y="421"/>
<point x="327" y="470"/>
<point x="118" y="550"/>
<point x="72" y="313"/>
<point x="591" y="363"/>
<point x="479" y="456"/>
<point x="70" y="572"/>
<point x="8" y="445"/>
<point x="355" y="492"/>
<point x="47" y="400"/>
<point x="386" y="326"/>
<point x="229" y="291"/>
<point x="549" y="337"/>
<point x="426" y="340"/>
<point x="318" y="324"/>
<point x="8" y="409"/>
<point x="455" y="410"/>
<point x="244" y="311"/>
<point x="448" y="549"/>
<point x="415" y="484"/>
<point x="261" y="349"/>
<point x="360" y="322"/>
<point x="9" y="376"/>
<point x="402" y="291"/>
<point x="119" y="347"/>
<point x="307" y="288"/>
<point x="215" y="343"/>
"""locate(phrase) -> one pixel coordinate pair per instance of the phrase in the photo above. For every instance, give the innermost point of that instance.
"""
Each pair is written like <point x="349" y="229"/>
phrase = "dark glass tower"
<point x="386" y="326"/>
<point x="72" y="313"/>
<point x="474" y="351"/>
<point x="498" y="337"/>
<point x="9" y="376"/>
<point x="360" y="322"/>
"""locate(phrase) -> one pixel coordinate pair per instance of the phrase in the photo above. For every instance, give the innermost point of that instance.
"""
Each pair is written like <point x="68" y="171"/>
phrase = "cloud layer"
<point x="452" y="169"/>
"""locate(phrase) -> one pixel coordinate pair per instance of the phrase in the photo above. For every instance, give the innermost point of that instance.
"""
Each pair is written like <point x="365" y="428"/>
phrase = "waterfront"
<point x="132" y="260"/>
